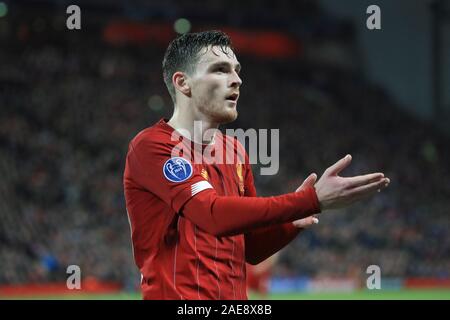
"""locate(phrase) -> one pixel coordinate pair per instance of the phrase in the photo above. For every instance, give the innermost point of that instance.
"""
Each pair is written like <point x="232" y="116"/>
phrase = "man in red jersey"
<point x="195" y="219"/>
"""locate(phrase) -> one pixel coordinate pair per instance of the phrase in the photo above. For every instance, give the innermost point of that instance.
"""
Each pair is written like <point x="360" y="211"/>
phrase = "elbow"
<point x="200" y="211"/>
<point x="212" y="229"/>
<point x="217" y="231"/>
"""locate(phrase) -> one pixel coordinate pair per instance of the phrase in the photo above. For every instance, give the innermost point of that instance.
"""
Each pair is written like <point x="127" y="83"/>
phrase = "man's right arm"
<point x="226" y="215"/>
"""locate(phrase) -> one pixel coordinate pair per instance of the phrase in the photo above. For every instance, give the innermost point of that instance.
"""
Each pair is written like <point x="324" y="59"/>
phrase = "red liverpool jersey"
<point x="177" y="258"/>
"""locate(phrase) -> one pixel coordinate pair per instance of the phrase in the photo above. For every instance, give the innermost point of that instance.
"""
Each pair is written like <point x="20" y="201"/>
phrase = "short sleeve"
<point x="172" y="179"/>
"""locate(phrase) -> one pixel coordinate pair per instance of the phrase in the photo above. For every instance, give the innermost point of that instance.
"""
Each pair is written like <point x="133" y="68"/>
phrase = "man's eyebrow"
<point x="225" y="64"/>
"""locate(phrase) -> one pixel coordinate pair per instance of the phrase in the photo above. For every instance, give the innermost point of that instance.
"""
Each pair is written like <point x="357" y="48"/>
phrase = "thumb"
<point x="309" y="182"/>
<point x="339" y="166"/>
<point x="305" y="222"/>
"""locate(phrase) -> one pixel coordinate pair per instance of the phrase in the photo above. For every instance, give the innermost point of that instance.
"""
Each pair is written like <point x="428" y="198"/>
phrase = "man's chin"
<point x="227" y="117"/>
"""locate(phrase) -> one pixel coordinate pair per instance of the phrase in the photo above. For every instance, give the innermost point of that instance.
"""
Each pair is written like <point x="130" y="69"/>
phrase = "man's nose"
<point x="236" y="81"/>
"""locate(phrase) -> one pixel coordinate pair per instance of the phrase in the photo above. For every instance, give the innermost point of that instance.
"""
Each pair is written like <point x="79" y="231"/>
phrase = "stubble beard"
<point x="218" y="114"/>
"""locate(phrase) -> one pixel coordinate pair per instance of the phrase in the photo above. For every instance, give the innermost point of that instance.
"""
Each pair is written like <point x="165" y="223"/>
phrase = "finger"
<point x="339" y="166"/>
<point x="368" y="188"/>
<point x="370" y="194"/>
<point x="310" y="181"/>
<point x="363" y="179"/>
<point x="306" y="222"/>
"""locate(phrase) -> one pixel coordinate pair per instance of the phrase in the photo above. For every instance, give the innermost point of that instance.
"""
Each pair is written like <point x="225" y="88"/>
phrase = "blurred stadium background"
<point x="70" y="101"/>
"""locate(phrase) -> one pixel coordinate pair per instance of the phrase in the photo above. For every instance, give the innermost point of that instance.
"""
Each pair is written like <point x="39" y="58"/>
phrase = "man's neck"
<point x="195" y="126"/>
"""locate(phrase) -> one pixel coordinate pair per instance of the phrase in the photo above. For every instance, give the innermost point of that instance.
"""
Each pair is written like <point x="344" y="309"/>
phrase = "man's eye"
<point x="221" y="70"/>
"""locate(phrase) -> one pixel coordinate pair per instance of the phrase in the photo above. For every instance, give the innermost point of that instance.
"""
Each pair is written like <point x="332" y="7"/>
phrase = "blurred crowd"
<point x="69" y="109"/>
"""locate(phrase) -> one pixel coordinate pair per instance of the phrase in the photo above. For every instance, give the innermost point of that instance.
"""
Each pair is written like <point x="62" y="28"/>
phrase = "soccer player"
<point x="196" y="220"/>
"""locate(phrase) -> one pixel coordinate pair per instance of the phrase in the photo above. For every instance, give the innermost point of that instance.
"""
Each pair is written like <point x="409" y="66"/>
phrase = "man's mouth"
<point x="233" y="97"/>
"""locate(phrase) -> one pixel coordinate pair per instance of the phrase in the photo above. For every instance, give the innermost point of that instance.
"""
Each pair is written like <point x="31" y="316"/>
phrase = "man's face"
<point x="215" y="85"/>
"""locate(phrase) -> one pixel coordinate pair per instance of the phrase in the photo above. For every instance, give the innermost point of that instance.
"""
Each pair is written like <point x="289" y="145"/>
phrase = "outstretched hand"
<point x="336" y="192"/>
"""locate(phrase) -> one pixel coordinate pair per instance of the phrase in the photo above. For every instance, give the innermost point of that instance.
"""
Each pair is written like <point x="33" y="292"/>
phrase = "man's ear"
<point x="180" y="82"/>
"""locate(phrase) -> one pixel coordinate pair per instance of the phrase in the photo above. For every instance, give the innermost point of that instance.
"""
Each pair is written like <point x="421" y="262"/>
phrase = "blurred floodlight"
<point x="182" y="26"/>
<point x="156" y="103"/>
<point x="3" y="9"/>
